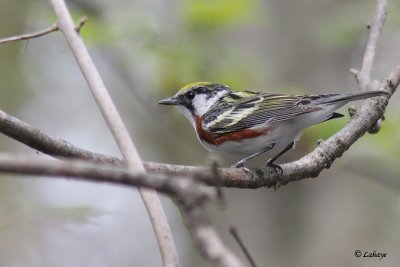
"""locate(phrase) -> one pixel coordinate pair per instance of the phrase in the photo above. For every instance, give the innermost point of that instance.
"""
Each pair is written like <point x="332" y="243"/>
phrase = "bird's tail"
<point x="344" y="98"/>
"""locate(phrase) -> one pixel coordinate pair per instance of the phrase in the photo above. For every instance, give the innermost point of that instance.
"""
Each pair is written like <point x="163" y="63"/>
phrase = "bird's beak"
<point x="169" y="101"/>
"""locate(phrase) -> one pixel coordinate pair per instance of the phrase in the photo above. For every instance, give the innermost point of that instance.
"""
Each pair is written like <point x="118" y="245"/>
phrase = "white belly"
<point x="276" y="139"/>
<point x="284" y="133"/>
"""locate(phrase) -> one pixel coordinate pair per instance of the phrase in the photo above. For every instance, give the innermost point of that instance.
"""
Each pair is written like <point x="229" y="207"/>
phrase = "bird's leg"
<point x="270" y="162"/>
<point x="241" y="162"/>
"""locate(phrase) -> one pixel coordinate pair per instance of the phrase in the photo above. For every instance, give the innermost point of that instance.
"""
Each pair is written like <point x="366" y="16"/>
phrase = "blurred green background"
<point x="145" y="51"/>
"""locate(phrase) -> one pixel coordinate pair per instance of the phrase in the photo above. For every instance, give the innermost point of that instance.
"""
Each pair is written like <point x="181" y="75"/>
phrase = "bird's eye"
<point x="190" y="95"/>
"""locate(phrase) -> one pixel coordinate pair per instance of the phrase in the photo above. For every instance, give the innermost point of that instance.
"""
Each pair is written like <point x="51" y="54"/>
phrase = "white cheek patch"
<point x="201" y="104"/>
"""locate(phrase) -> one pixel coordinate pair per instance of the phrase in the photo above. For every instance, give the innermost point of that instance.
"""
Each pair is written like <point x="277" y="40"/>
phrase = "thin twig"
<point x="52" y="28"/>
<point x="28" y="36"/>
<point x="363" y="77"/>
<point x="242" y="246"/>
<point x="81" y="23"/>
<point x="375" y="29"/>
<point x="152" y="202"/>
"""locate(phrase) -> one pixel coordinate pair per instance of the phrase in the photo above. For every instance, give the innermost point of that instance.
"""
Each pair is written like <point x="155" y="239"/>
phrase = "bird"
<point x="251" y="123"/>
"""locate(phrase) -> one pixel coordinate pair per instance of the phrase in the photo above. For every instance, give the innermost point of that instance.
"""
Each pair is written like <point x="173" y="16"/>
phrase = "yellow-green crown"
<point x="194" y="84"/>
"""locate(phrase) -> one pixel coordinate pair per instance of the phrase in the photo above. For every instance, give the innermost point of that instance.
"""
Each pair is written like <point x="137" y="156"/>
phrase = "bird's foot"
<point x="276" y="167"/>
<point x="239" y="165"/>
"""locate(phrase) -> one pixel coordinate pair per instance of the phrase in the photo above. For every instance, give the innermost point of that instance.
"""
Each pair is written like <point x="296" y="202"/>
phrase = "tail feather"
<point x="331" y="99"/>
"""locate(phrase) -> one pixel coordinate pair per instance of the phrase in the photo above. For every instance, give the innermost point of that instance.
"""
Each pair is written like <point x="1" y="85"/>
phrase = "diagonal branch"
<point x="363" y="76"/>
<point x="235" y="234"/>
<point x="109" y="111"/>
<point x="375" y="31"/>
<point x="206" y="238"/>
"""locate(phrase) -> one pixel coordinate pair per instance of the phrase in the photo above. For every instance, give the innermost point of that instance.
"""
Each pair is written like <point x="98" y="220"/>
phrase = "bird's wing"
<point x="238" y="112"/>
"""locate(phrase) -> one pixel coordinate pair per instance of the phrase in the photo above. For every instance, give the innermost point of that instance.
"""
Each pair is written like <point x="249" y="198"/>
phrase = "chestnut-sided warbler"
<point x="252" y="123"/>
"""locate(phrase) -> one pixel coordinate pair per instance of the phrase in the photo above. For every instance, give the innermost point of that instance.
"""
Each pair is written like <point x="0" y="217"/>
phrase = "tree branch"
<point x="206" y="237"/>
<point x="308" y="166"/>
<point x="363" y="76"/>
<point x="52" y="28"/>
<point x="189" y="194"/>
<point x="242" y="246"/>
<point x="121" y="135"/>
<point x="200" y="228"/>
<point x="315" y="162"/>
<point x="38" y="140"/>
<point x="100" y="172"/>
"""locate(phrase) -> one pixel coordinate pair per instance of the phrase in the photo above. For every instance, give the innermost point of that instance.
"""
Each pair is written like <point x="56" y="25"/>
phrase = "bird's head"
<point x="195" y="99"/>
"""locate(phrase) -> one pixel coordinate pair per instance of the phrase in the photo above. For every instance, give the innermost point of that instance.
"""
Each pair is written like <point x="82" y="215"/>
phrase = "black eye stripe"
<point x="201" y="90"/>
<point x="196" y="91"/>
<point x="207" y="91"/>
